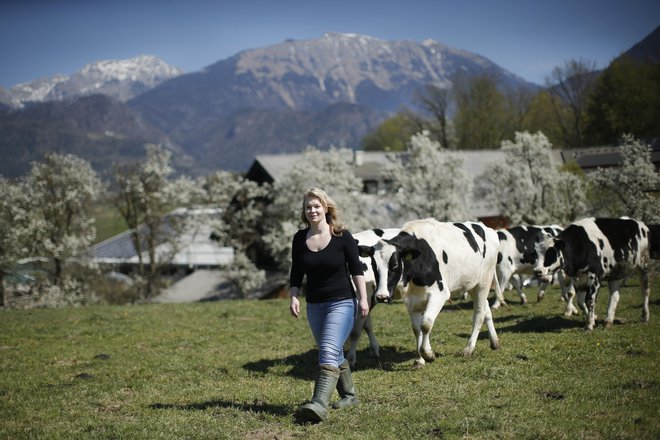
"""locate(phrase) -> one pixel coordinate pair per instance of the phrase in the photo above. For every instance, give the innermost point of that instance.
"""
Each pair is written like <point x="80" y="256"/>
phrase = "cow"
<point x="432" y="260"/>
<point x="592" y="250"/>
<point x="518" y="249"/>
<point x="368" y="237"/>
<point x="654" y="241"/>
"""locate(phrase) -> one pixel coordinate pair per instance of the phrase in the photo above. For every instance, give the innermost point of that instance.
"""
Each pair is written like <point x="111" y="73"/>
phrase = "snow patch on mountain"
<point x="120" y="79"/>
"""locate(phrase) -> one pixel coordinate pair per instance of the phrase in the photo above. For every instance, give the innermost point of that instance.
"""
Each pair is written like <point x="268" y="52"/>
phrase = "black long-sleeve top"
<point x="327" y="270"/>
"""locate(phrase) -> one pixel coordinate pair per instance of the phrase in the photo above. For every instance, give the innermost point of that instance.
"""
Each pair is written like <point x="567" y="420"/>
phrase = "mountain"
<point x="647" y="50"/>
<point x="97" y="128"/>
<point x="354" y="77"/>
<point x="5" y="99"/>
<point x="328" y="91"/>
<point x="119" y="79"/>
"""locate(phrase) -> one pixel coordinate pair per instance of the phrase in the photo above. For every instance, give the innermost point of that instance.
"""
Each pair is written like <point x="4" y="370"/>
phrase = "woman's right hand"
<point x="294" y="307"/>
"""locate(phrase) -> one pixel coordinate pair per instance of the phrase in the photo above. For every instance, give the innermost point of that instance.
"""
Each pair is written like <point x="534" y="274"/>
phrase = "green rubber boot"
<point x="345" y="387"/>
<point x="317" y="409"/>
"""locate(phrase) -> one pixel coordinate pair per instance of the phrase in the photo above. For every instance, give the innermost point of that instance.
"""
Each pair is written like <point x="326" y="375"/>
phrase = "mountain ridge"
<point x="328" y="91"/>
<point x="121" y="79"/>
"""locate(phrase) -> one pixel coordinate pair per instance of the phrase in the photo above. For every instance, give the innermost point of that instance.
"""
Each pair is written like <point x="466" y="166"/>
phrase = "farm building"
<point x="182" y="252"/>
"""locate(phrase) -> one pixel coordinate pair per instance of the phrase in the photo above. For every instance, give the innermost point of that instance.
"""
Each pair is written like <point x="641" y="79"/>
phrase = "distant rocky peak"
<point x="145" y="68"/>
<point x="119" y="79"/>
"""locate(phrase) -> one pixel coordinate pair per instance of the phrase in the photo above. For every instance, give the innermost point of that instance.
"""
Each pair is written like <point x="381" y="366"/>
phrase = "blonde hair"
<point x="330" y="207"/>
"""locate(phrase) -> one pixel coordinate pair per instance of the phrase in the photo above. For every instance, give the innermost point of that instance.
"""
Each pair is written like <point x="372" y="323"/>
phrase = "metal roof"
<point x="195" y="247"/>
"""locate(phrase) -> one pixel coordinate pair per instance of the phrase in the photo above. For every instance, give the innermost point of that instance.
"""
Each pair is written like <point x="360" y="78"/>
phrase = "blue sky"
<point x="528" y="37"/>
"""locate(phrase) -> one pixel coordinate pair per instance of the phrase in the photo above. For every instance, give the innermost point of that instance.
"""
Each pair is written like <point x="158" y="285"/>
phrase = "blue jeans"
<point x="331" y="323"/>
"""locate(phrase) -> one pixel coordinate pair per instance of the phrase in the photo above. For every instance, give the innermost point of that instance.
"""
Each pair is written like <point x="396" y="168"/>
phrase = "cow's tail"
<point x="498" y="290"/>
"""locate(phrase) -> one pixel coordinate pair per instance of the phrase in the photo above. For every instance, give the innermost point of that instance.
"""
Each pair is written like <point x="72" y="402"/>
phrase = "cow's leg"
<point x="646" y="290"/>
<point x="613" y="286"/>
<point x="568" y="293"/>
<point x="492" y="334"/>
<point x="517" y="282"/>
<point x="373" y="343"/>
<point x="435" y="302"/>
<point x="481" y="312"/>
<point x="354" y="338"/>
<point x="593" y="283"/>
<point x="542" y="286"/>
<point x="416" y="321"/>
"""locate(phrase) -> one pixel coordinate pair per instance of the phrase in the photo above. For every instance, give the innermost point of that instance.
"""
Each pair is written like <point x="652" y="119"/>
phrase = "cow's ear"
<point x="410" y="254"/>
<point x="560" y="244"/>
<point x="366" y="251"/>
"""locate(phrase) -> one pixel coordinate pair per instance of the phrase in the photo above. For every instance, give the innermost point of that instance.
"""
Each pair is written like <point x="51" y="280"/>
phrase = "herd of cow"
<point x="425" y="262"/>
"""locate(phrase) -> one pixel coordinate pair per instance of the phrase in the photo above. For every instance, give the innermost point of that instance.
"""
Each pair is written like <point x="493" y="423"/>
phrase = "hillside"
<point x="97" y="128"/>
<point x="327" y="91"/>
<point x="238" y="369"/>
<point x="293" y="86"/>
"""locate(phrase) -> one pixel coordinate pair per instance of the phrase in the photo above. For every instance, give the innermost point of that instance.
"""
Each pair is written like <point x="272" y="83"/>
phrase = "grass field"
<point x="238" y="369"/>
<point x="108" y="221"/>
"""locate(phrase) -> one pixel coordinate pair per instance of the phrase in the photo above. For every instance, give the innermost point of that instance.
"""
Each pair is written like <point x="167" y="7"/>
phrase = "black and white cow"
<point x="367" y="238"/>
<point x="592" y="250"/>
<point x="654" y="241"/>
<point x="518" y="249"/>
<point x="432" y="260"/>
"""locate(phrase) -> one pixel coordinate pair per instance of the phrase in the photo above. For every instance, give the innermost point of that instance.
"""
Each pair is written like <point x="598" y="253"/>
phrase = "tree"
<point x="572" y="82"/>
<point x="629" y="187"/>
<point x="331" y="170"/>
<point x="144" y="195"/>
<point x="625" y="99"/>
<point x="52" y="213"/>
<point x="529" y="186"/>
<point x="393" y="133"/>
<point x="540" y="117"/>
<point x="429" y="181"/>
<point x="481" y="117"/>
<point x="437" y="102"/>
<point x="9" y="244"/>
<point x="242" y="224"/>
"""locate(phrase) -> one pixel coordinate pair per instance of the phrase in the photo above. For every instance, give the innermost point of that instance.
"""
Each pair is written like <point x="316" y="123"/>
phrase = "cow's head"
<point x="387" y="267"/>
<point x="549" y="251"/>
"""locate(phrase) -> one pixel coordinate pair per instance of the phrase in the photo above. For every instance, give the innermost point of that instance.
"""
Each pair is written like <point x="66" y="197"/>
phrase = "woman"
<point x="326" y="253"/>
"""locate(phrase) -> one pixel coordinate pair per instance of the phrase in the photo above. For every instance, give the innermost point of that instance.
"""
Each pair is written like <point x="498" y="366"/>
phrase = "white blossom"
<point x="529" y="186"/>
<point x="632" y="183"/>
<point x="430" y="182"/>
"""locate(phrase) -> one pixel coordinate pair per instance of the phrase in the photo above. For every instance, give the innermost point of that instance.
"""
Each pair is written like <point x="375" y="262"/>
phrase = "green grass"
<point x="108" y="221"/>
<point x="238" y="369"/>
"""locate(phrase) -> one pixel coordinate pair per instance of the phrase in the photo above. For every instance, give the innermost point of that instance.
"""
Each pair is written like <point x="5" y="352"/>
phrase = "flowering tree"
<point x="51" y="214"/>
<point x="628" y="187"/>
<point x="430" y="182"/>
<point x="144" y="195"/>
<point x="242" y="204"/>
<point x="529" y="186"/>
<point x="8" y="241"/>
<point x="332" y="171"/>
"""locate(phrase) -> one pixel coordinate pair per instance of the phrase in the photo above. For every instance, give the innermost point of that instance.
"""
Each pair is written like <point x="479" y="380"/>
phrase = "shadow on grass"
<point x="537" y="324"/>
<point x="541" y="324"/>
<point x="256" y="407"/>
<point x="305" y="365"/>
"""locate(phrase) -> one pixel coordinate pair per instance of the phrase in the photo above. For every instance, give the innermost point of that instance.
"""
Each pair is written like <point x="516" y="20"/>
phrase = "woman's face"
<point x="314" y="211"/>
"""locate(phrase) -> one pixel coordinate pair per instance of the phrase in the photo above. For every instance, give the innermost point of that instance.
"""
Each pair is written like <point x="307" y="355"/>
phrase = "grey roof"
<point x="195" y="247"/>
<point x="602" y="156"/>
<point x="369" y="164"/>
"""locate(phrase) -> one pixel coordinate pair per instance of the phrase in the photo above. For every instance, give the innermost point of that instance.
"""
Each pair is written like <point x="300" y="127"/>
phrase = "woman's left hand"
<point x="363" y="306"/>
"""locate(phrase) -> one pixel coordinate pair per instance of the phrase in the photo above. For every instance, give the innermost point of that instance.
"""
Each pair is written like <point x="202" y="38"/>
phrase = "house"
<point x="590" y="158"/>
<point x="370" y="167"/>
<point x="180" y="252"/>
